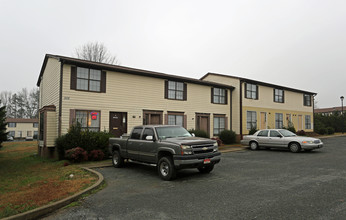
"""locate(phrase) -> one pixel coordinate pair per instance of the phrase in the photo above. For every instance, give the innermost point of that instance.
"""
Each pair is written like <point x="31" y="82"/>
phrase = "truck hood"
<point x="188" y="140"/>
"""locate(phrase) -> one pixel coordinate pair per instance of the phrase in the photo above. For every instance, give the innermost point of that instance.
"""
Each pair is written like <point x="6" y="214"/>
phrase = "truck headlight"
<point x="186" y="149"/>
<point x="216" y="147"/>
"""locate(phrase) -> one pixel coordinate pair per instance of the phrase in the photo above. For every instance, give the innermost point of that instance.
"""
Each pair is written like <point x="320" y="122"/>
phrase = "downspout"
<point x="60" y="97"/>
<point x="230" y="109"/>
<point x="313" y="110"/>
<point x="241" y="109"/>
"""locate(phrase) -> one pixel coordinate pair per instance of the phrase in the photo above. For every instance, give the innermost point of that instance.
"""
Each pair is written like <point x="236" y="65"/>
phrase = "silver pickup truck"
<point x="169" y="147"/>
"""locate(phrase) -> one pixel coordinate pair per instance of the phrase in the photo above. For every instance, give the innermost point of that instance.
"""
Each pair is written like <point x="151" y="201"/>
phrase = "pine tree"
<point x="3" y="133"/>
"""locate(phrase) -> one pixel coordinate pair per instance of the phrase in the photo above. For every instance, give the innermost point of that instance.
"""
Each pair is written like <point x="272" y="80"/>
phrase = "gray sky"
<point x="295" y="43"/>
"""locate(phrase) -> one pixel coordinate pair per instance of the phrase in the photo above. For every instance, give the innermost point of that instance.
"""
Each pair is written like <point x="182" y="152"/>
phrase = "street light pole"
<point x="342" y="113"/>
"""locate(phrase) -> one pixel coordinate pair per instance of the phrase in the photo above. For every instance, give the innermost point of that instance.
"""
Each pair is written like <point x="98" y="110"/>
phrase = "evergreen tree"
<point x="3" y="133"/>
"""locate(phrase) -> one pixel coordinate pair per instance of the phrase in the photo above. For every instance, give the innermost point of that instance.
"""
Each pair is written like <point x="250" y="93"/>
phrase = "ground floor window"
<point x="278" y="120"/>
<point x="152" y="117"/>
<point x="88" y="119"/>
<point x="219" y="124"/>
<point x="12" y="133"/>
<point x="176" y="120"/>
<point x="251" y="120"/>
<point x="307" y="122"/>
<point x="29" y="133"/>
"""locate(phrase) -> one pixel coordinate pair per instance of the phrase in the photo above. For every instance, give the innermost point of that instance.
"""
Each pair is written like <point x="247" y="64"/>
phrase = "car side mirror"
<point x="280" y="136"/>
<point x="193" y="134"/>
<point x="149" y="138"/>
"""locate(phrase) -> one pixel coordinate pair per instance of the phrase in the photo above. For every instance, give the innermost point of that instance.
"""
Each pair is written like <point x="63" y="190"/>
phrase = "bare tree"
<point x="97" y="52"/>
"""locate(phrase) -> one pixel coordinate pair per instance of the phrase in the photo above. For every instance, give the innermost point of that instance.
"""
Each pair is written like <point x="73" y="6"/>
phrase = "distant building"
<point x="20" y="128"/>
<point x="329" y="111"/>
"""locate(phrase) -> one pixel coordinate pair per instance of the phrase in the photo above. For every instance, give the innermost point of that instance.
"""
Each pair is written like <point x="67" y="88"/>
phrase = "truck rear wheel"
<point x="117" y="159"/>
<point x="166" y="168"/>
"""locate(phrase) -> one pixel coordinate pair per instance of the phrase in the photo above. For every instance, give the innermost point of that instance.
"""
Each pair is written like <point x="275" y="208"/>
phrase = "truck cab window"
<point x="136" y="133"/>
<point x="147" y="132"/>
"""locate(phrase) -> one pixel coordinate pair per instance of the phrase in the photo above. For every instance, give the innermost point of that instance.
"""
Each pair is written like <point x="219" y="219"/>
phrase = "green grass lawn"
<point x="28" y="181"/>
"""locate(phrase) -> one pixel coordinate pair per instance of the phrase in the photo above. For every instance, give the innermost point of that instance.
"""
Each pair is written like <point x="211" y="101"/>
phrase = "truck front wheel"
<point x="166" y="168"/>
<point x="117" y="159"/>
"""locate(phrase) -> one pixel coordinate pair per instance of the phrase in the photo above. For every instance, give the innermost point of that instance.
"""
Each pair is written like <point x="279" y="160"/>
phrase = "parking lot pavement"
<point x="265" y="184"/>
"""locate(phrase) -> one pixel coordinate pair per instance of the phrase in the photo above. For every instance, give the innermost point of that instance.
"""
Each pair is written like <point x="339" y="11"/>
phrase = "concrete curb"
<point x="44" y="210"/>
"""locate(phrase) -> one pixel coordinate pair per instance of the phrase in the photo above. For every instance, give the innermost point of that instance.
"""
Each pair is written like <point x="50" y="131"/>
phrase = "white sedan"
<point x="280" y="138"/>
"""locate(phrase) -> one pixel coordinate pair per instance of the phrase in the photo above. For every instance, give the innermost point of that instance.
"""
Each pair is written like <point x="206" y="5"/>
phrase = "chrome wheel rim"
<point x="115" y="159"/>
<point x="294" y="147"/>
<point x="164" y="168"/>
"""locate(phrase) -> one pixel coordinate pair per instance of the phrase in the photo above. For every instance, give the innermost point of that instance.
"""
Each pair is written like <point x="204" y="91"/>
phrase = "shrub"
<point x="322" y="131"/>
<point x="88" y="139"/>
<point x="290" y="127"/>
<point x="330" y="130"/>
<point x="218" y="140"/>
<point x="199" y="133"/>
<point x="227" y="136"/>
<point x="96" y="155"/>
<point x="301" y="133"/>
<point x="252" y="130"/>
<point x="76" y="155"/>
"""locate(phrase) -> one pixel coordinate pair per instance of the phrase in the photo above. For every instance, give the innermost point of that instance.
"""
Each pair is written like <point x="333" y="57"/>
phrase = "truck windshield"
<point x="172" y="132"/>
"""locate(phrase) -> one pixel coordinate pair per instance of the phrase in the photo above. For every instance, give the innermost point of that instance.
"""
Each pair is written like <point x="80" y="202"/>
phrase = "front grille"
<point x="203" y="148"/>
<point x="317" y="141"/>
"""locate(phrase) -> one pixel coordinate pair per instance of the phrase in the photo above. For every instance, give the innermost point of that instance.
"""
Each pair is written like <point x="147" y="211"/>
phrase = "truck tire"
<point x="166" y="169"/>
<point x="117" y="159"/>
<point x="206" y="169"/>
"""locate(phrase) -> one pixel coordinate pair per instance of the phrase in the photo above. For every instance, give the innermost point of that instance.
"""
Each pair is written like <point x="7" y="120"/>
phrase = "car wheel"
<point x="206" y="169"/>
<point x="166" y="168"/>
<point x="294" y="147"/>
<point x="253" y="145"/>
<point x="117" y="159"/>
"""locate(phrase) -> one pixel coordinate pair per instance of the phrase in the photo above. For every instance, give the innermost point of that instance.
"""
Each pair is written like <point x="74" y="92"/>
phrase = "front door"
<point x="300" y="120"/>
<point x="118" y="123"/>
<point x="263" y="120"/>
<point x="202" y="122"/>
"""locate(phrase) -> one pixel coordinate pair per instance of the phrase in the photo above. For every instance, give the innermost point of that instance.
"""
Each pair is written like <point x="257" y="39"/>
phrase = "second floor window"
<point x="219" y="96"/>
<point x="307" y="100"/>
<point x="279" y="95"/>
<point x="35" y="125"/>
<point x="12" y="124"/>
<point x="175" y="90"/>
<point x="88" y="79"/>
<point x="251" y="91"/>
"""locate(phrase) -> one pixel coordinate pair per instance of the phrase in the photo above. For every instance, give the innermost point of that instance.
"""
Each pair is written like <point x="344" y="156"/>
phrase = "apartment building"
<point x="263" y="105"/>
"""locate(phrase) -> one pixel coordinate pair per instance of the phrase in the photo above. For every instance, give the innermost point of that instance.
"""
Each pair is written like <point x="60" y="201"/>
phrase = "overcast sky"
<point x="295" y="43"/>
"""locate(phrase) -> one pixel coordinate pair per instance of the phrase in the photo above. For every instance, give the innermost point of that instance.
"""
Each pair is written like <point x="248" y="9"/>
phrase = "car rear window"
<point x="263" y="133"/>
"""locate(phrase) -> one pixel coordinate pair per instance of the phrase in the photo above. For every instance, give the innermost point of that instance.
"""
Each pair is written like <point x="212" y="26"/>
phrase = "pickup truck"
<point x="169" y="147"/>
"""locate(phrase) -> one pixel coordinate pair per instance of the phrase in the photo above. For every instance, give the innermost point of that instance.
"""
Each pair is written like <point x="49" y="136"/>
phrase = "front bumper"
<point x="311" y="146"/>
<point x="195" y="161"/>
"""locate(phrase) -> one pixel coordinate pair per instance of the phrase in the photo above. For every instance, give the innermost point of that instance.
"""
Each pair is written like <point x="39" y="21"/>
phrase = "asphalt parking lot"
<point x="265" y="184"/>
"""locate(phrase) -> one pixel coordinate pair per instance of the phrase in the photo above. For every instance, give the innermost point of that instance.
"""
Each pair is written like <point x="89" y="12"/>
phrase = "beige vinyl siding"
<point x="270" y="112"/>
<point x="293" y="100"/>
<point x="24" y="128"/>
<point x="133" y="94"/>
<point x="50" y="82"/>
<point x="235" y="96"/>
<point x="52" y="131"/>
<point x="49" y="86"/>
